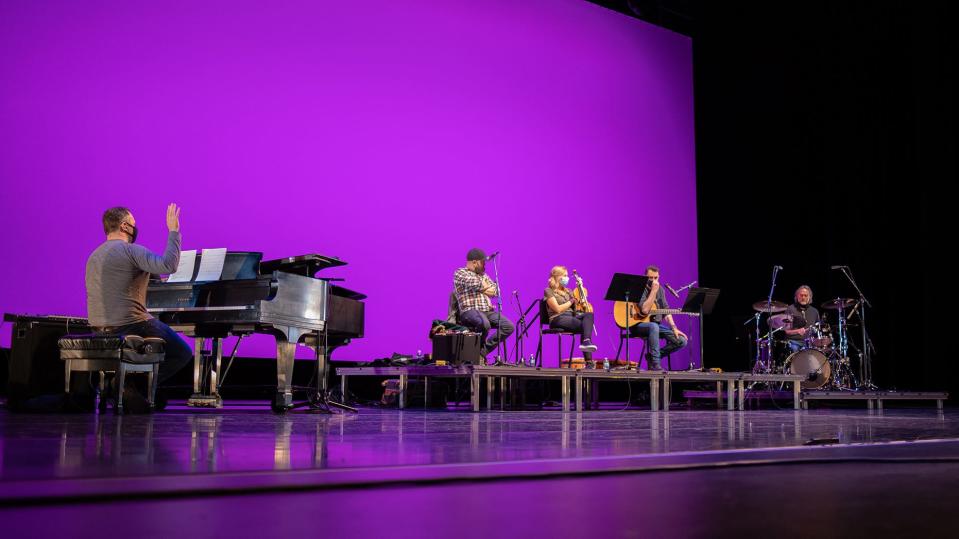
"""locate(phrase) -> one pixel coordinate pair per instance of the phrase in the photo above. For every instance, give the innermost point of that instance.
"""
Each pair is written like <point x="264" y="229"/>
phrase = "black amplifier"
<point x="457" y="348"/>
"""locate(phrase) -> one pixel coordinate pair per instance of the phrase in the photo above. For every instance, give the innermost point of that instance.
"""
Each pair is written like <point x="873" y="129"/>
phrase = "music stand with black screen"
<point x="701" y="300"/>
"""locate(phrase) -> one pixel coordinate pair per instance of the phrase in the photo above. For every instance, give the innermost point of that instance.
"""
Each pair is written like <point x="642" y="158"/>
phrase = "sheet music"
<point x="184" y="272"/>
<point x="211" y="264"/>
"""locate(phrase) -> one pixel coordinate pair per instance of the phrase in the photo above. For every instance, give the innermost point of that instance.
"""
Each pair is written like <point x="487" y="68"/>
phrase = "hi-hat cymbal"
<point x="769" y="307"/>
<point x="839" y="303"/>
<point x="778" y="321"/>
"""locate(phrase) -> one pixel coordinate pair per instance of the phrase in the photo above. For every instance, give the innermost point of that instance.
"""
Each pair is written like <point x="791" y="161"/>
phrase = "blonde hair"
<point x="554" y="275"/>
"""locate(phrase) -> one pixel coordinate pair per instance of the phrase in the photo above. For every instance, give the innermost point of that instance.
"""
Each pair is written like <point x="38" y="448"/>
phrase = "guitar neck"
<point x="627" y="314"/>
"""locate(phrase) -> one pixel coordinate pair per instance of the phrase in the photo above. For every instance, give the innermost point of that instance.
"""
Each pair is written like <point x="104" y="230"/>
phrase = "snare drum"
<point x="817" y="336"/>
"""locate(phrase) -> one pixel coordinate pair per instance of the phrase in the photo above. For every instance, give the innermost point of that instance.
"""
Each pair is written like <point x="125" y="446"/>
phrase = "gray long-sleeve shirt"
<point x="117" y="277"/>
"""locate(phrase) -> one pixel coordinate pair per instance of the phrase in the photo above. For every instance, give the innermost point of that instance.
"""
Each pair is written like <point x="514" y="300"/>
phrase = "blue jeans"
<point x="795" y="345"/>
<point x="483" y="321"/>
<point x="653" y="332"/>
<point x="178" y="353"/>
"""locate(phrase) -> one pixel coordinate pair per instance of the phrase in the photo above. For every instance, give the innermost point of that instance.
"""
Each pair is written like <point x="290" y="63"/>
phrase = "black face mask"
<point x="133" y="236"/>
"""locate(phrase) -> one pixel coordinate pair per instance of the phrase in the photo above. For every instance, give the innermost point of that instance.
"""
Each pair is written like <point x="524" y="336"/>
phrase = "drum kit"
<point x="823" y="360"/>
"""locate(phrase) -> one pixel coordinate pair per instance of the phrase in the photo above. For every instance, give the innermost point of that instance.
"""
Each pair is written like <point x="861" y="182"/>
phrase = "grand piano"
<point x="279" y="297"/>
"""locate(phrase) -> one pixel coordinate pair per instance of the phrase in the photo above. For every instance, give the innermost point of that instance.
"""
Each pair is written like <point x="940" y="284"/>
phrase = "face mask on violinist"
<point x="564" y="280"/>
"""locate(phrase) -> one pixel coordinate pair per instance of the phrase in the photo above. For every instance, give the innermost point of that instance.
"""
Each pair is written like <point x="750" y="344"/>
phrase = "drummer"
<point x="803" y="315"/>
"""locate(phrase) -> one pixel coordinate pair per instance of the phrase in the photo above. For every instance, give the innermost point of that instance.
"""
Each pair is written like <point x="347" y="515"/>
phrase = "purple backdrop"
<point x="395" y="135"/>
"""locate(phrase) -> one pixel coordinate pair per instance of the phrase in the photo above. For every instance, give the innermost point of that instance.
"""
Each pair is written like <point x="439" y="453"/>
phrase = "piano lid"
<point x="346" y="293"/>
<point x="307" y="265"/>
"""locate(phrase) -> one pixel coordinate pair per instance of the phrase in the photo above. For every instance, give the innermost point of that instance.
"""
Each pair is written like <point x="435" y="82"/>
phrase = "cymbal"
<point x="766" y="307"/>
<point x="839" y="303"/>
<point x="778" y="321"/>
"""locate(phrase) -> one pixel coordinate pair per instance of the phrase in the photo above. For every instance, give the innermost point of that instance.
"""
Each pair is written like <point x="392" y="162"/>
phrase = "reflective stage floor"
<point x="242" y="469"/>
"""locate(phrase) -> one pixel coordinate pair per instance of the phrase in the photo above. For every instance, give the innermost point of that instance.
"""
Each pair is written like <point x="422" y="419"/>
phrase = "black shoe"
<point x="587" y="346"/>
<point x="161" y="401"/>
<point x="134" y="402"/>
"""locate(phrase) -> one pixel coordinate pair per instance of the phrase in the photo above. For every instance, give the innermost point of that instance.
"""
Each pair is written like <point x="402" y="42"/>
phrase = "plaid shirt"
<point x="469" y="291"/>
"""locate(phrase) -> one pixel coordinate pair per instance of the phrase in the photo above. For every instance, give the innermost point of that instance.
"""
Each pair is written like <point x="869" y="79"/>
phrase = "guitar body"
<point x="628" y="315"/>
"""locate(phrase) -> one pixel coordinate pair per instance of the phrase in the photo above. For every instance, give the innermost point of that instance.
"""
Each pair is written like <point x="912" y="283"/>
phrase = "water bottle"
<point x="605" y="363"/>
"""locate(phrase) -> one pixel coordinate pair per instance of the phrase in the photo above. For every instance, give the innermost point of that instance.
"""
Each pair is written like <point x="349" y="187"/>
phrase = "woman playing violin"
<point x="566" y="310"/>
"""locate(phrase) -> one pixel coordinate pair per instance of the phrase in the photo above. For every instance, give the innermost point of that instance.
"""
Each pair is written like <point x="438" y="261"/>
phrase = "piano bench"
<point x="119" y="354"/>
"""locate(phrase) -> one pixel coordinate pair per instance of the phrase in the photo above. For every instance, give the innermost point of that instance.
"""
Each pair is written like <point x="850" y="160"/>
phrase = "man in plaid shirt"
<point x="473" y="289"/>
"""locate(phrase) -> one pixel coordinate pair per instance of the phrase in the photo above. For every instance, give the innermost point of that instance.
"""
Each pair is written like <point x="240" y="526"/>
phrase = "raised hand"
<point x="173" y="218"/>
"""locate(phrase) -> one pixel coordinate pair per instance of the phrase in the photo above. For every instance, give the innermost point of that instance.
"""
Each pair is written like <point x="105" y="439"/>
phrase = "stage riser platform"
<point x="872" y="399"/>
<point x="575" y="384"/>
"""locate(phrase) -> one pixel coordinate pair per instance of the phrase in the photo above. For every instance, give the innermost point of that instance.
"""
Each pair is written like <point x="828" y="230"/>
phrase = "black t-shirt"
<point x="801" y="317"/>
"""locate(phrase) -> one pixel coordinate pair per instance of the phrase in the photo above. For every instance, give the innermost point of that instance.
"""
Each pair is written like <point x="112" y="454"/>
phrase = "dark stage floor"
<point x="707" y="473"/>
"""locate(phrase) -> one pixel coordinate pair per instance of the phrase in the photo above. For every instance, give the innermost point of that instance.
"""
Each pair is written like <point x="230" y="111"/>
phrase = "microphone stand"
<point x="700" y="324"/>
<point x="521" y="330"/>
<point x="687" y="287"/>
<point x="866" y="353"/>
<point x="754" y="319"/>
<point x="500" y="345"/>
<point x="769" y="339"/>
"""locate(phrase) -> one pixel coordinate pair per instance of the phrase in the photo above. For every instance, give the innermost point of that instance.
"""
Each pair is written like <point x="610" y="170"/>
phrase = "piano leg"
<point x="205" y="396"/>
<point x="215" y="368"/>
<point x="285" y="353"/>
<point x="286" y="343"/>
<point x="200" y="345"/>
<point x="322" y="368"/>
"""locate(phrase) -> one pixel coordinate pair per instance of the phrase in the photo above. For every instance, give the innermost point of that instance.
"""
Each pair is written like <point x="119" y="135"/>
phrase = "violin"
<point x="579" y="294"/>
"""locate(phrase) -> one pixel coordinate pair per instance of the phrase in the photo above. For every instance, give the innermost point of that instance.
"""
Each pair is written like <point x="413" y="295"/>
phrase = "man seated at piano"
<point x="473" y="289"/>
<point x="117" y="275"/>
<point x="653" y="299"/>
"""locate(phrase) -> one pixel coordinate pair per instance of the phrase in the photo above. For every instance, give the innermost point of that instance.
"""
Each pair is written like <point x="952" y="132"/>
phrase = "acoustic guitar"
<point x="628" y="318"/>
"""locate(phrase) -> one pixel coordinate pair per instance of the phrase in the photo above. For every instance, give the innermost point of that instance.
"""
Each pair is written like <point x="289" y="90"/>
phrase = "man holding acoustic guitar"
<point x="647" y="324"/>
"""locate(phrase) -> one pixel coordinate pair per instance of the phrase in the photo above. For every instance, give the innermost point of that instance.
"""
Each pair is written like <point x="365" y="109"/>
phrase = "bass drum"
<point x="812" y="364"/>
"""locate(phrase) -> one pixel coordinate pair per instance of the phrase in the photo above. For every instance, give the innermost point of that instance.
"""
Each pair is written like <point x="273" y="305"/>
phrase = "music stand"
<point x="701" y="300"/>
<point x="622" y="287"/>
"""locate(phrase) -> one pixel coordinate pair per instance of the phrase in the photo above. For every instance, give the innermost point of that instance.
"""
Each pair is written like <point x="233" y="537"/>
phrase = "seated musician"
<point x="654" y="330"/>
<point x="565" y="313"/>
<point x="802" y="315"/>
<point x="117" y="275"/>
<point x="473" y="288"/>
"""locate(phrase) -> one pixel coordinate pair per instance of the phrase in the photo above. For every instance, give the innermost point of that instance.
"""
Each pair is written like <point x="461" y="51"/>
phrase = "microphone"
<point x="516" y="293"/>
<point x="672" y="291"/>
<point x="837" y="267"/>
<point x="780" y="268"/>
<point x="492" y="256"/>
